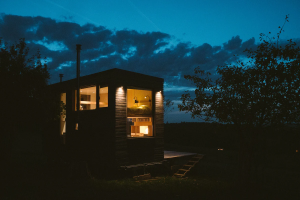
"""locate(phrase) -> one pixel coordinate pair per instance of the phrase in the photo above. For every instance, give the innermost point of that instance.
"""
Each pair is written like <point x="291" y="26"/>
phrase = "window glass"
<point x="63" y="115"/>
<point x="103" y="97"/>
<point x="139" y="113"/>
<point x="87" y="98"/>
<point x="139" y="102"/>
<point x="139" y="126"/>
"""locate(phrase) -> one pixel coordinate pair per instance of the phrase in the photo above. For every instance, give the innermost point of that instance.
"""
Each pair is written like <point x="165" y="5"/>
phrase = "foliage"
<point x="257" y="95"/>
<point x="260" y="92"/>
<point x="168" y="107"/>
<point x="26" y="102"/>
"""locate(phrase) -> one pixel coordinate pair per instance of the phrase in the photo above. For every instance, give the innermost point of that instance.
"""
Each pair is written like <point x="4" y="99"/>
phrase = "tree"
<point x="168" y="107"/>
<point x="26" y="103"/>
<point x="253" y="95"/>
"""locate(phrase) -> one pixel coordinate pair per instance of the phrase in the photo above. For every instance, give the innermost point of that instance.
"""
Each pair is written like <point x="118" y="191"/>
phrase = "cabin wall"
<point x="94" y="139"/>
<point x="159" y="126"/>
<point x="139" y="150"/>
<point x="102" y="136"/>
<point x="121" y="154"/>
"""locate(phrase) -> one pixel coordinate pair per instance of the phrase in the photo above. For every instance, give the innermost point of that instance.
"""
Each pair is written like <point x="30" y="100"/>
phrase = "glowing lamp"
<point x="148" y="97"/>
<point x="144" y="129"/>
<point x="121" y="89"/>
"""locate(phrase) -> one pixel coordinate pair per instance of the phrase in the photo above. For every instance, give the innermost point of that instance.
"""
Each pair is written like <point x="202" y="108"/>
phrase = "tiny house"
<point x="119" y="121"/>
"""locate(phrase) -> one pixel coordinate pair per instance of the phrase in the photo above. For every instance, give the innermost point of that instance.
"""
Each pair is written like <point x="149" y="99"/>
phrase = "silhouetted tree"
<point x="26" y="104"/>
<point x="261" y="92"/>
<point x="168" y="107"/>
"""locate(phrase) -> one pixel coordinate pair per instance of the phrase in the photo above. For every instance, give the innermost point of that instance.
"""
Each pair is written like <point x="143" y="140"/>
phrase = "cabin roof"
<point x="115" y="75"/>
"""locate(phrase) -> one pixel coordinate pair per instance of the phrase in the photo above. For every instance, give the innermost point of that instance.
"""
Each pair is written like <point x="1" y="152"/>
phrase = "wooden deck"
<point x="177" y="154"/>
<point x="167" y="155"/>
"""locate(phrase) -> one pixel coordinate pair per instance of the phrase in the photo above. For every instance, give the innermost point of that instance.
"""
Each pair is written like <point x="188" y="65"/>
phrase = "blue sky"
<point x="196" y="21"/>
<point x="162" y="38"/>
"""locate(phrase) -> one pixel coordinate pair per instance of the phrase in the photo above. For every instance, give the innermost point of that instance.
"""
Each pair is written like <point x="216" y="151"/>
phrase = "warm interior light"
<point x="88" y="102"/>
<point x="64" y="128"/>
<point x="144" y="129"/>
<point x="121" y="89"/>
<point x="149" y="98"/>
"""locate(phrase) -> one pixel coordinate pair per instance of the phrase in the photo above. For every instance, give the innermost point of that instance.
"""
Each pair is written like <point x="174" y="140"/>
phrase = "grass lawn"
<point x="39" y="185"/>
<point x="28" y="176"/>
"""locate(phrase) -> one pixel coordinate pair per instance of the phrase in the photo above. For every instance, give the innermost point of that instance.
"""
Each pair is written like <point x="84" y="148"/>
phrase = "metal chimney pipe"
<point x="61" y="76"/>
<point x="78" y="48"/>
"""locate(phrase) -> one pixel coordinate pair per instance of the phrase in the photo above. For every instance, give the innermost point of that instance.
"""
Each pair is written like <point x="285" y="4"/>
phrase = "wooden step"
<point x="180" y="172"/>
<point x="184" y="170"/>
<point x="179" y="175"/>
<point x="187" y="167"/>
<point x="142" y="177"/>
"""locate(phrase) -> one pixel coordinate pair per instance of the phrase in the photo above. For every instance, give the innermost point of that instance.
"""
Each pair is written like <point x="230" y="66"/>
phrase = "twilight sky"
<point x="163" y="38"/>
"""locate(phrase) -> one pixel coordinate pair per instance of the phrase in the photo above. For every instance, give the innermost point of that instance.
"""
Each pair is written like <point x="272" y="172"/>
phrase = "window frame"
<point x="75" y="97"/>
<point x="97" y="96"/>
<point x="152" y="116"/>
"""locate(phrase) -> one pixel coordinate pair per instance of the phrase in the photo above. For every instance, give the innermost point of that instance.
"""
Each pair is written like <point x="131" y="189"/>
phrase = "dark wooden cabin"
<point x="120" y="121"/>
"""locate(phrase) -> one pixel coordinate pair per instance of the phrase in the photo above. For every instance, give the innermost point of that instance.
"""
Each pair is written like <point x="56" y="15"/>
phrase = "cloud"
<point x="233" y="44"/>
<point x="153" y="53"/>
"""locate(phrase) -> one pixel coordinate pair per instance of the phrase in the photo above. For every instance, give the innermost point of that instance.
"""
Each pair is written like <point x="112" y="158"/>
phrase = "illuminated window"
<point x="139" y="126"/>
<point x="63" y="115"/>
<point x="103" y="97"/>
<point x="87" y="98"/>
<point x="139" y="103"/>
<point x="139" y="113"/>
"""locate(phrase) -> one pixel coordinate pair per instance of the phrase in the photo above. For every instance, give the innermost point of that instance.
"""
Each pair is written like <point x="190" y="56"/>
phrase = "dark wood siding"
<point x="159" y="126"/>
<point x="141" y="150"/>
<point x="121" y="156"/>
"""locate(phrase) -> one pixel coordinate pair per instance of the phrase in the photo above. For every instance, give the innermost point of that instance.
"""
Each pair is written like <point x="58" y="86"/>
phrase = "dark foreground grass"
<point x="29" y="176"/>
<point x="36" y="183"/>
<point x="164" y="188"/>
